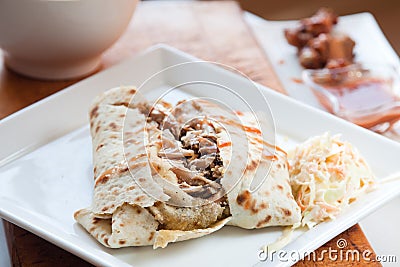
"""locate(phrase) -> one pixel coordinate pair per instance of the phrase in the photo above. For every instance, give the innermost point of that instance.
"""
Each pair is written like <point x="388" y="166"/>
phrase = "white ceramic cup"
<point x="60" y="39"/>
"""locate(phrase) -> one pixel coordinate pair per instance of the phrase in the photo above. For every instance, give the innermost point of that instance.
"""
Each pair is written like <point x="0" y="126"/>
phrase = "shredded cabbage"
<point x="327" y="175"/>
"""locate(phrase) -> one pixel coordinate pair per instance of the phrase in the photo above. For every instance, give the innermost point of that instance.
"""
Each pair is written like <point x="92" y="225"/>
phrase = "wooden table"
<point x="209" y="30"/>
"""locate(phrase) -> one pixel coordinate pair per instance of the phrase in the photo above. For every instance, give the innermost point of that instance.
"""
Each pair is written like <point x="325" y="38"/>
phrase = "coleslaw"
<point x="327" y="175"/>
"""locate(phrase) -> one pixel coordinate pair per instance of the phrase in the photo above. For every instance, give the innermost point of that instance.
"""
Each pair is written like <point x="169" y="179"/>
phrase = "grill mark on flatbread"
<point x="114" y="127"/>
<point x="139" y="198"/>
<point x="246" y="200"/>
<point x="264" y="205"/>
<point x="134" y="158"/>
<point x="265" y="221"/>
<point x="99" y="146"/>
<point x="105" y="176"/>
<point x="125" y="104"/>
<point x="286" y="212"/>
<point x="151" y="236"/>
<point x="132" y="141"/>
<point x="252" y="165"/>
<point x="94" y="112"/>
<point x="242" y="198"/>
<point x="108" y="174"/>
<point x="137" y="165"/>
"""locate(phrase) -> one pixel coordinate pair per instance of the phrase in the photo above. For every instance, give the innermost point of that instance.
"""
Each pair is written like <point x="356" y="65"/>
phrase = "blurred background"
<point x="386" y="12"/>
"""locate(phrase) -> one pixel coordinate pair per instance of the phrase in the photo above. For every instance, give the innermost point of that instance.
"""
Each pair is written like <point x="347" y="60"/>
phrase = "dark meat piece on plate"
<point x="321" y="22"/>
<point x="341" y="47"/>
<point x="318" y="46"/>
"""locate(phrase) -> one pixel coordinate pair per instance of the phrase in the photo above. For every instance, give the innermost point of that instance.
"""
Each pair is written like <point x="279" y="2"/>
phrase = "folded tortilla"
<point x="171" y="173"/>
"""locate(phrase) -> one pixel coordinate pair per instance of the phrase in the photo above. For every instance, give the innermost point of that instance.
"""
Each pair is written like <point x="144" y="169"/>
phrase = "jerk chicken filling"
<point x="200" y="137"/>
<point x="195" y="158"/>
<point x="191" y="149"/>
<point x="192" y="152"/>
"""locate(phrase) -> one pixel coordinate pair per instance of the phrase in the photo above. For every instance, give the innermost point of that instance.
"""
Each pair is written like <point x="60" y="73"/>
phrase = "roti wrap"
<point x="167" y="174"/>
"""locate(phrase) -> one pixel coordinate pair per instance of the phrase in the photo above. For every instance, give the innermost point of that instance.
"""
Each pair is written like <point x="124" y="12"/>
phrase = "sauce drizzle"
<point x="252" y="129"/>
<point x="224" y="144"/>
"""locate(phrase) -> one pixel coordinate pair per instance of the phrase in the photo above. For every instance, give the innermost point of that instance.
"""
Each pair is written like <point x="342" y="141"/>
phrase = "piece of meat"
<point x="321" y="44"/>
<point x="172" y="148"/>
<point x="337" y="63"/>
<point x="212" y="191"/>
<point x="341" y="47"/>
<point x="190" y="177"/>
<point x="201" y="163"/>
<point x="185" y="219"/>
<point x="320" y="22"/>
<point x="327" y="50"/>
<point x="317" y="45"/>
<point x="191" y="137"/>
<point x="309" y="28"/>
<point x="168" y="140"/>
<point x="207" y="147"/>
<point x="309" y="58"/>
<point x="298" y="37"/>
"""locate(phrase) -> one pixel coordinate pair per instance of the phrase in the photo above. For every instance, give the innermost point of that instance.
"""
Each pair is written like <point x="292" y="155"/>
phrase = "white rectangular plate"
<point x="46" y="170"/>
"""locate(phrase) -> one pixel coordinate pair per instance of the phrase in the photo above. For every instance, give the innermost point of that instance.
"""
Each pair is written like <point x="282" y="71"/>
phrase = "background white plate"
<point x="380" y="227"/>
<point x="46" y="167"/>
<point x="371" y="46"/>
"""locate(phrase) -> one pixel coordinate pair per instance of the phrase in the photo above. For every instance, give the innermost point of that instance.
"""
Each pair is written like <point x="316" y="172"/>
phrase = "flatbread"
<point x="128" y="226"/>
<point x="139" y="197"/>
<point x="125" y="185"/>
<point x="114" y="182"/>
<point x="163" y="237"/>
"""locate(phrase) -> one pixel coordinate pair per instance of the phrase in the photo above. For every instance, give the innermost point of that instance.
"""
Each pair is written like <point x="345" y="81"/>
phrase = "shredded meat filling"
<point x="199" y="136"/>
<point x="193" y="155"/>
<point x="192" y="151"/>
<point x="203" y="169"/>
